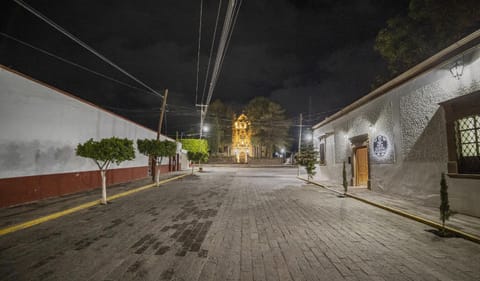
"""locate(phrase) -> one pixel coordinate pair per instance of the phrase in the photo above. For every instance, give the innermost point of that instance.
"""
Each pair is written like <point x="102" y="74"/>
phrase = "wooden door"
<point x="361" y="166"/>
<point x="243" y="157"/>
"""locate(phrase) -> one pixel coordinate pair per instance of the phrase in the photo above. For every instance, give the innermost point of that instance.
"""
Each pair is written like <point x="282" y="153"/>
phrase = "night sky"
<point x="311" y="57"/>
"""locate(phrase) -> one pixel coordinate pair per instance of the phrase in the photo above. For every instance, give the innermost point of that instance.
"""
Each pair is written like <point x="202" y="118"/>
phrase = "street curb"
<point x="460" y="233"/>
<point x="56" y="215"/>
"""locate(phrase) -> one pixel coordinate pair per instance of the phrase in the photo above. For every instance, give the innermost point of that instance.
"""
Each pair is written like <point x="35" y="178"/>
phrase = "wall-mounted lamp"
<point x="372" y="128"/>
<point x="456" y="69"/>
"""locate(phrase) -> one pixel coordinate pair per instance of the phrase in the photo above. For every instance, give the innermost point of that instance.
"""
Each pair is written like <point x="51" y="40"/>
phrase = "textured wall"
<point x="40" y="128"/>
<point x="413" y="122"/>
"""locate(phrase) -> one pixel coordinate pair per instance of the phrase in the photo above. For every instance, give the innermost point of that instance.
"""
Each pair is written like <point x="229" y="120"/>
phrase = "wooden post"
<point x="162" y="112"/>
<point x="160" y="121"/>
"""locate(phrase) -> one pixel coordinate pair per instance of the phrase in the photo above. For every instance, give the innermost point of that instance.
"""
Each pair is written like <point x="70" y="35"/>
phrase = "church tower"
<point x="241" y="139"/>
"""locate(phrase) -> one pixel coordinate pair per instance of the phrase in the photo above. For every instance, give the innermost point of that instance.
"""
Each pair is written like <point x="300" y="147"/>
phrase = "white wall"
<point x="41" y="127"/>
<point x="414" y="123"/>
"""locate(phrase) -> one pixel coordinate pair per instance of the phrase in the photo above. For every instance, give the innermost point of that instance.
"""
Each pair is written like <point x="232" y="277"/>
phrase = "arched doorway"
<point x="243" y="157"/>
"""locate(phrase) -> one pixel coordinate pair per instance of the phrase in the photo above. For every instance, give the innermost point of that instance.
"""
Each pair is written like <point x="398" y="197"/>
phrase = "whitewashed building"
<point x="400" y="137"/>
<point x="40" y="127"/>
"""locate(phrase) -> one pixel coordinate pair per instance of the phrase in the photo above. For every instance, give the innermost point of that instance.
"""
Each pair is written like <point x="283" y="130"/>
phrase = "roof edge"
<point x="449" y="52"/>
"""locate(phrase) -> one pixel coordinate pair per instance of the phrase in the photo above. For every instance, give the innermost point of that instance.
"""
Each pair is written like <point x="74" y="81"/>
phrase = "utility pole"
<point x="162" y="112"/>
<point x="299" y="143"/>
<point x="160" y="121"/>
<point x="203" y="111"/>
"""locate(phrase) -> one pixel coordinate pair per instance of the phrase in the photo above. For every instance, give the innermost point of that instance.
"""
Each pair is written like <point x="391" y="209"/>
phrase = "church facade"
<point x="241" y="139"/>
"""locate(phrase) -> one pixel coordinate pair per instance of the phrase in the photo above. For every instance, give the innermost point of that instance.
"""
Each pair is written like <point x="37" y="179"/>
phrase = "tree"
<point x="269" y="125"/>
<point x="308" y="158"/>
<point x="197" y="157"/>
<point x="157" y="149"/>
<point x="104" y="152"/>
<point x="444" y="205"/>
<point x="220" y="118"/>
<point x="344" y="177"/>
<point x="429" y="26"/>
<point x="197" y="150"/>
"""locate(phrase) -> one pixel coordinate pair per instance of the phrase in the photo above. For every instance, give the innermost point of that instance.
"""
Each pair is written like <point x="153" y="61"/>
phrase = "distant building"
<point x="40" y="127"/>
<point x="400" y="137"/>
<point x="241" y="139"/>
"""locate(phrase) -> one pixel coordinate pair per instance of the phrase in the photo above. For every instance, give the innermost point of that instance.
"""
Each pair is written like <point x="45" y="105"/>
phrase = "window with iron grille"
<point x="321" y="151"/>
<point x="467" y="132"/>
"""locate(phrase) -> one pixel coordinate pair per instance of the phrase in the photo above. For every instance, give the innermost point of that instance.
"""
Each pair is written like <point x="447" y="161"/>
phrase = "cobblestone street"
<point x="235" y="224"/>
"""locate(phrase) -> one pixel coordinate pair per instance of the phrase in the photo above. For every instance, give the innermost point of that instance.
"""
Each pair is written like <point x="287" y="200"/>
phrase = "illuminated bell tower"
<point x="241" y="139"/>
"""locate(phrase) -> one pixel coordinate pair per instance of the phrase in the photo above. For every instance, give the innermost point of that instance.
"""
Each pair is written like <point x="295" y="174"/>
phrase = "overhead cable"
<point x="198" y="51"/>
<point x="231" y="32"/>
<point x="83" y="44"/>
<point x="211" y="50"/>
<point x="221" y="49"/>
<point x="72" y="63"/>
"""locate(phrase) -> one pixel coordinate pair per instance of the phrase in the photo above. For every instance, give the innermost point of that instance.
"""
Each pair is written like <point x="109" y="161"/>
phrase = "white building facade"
<point x="40" y="128"/>
<point x="399" y="138"/>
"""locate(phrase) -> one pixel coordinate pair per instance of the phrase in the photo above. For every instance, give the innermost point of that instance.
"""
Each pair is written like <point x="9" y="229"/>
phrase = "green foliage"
<point x="107" y="150"/>
<point x="429" y="26"/>
<point x="157" y="148"/>
<point x="197" y="156"/>
<point x="195" y="145"/>
<point x="308" y="158"/>
<point x="444" y="205"/>
<point x="269" y="124"/>
<point x="344" y="177"/>
<point x="197" y="149"/>
<point x="220" y="118"/>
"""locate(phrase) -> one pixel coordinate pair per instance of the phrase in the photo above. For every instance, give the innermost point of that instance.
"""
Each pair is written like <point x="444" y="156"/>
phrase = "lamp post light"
<point x="309" y="137"/>
<point x="457" y="69"/>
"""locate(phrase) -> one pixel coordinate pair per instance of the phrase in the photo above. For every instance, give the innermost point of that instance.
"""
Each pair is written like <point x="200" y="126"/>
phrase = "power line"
<point x="198" y="51"/>
<point x="231" y="32"/>
<point x="71" y="62"/>
<point x="211" y="50"/>
<point x="230" y="14"/>
<point x="221" y="49"/>
<point x="83" y="44"/>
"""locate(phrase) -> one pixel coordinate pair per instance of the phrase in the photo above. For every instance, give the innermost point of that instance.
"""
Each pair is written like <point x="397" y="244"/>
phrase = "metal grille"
<point x="322" y="154"/>
<point x="468" y="143"/>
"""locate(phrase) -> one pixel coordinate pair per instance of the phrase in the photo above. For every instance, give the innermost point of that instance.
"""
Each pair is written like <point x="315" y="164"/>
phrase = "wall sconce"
<point x="457" y="69"/>
<point x="372" y="128"/>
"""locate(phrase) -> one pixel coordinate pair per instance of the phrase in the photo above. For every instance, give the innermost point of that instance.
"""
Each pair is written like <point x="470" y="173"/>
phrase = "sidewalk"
<point x="464" y="223"/>
<point x="18" y="214"/>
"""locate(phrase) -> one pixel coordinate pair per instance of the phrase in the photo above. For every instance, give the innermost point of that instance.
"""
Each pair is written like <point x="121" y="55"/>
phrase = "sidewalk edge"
<point x="460" y="233"/>
<point x="56" y="215"/>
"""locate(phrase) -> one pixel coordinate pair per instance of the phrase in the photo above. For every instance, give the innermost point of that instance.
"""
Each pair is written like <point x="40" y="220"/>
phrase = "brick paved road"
<point x="235" y="224"/>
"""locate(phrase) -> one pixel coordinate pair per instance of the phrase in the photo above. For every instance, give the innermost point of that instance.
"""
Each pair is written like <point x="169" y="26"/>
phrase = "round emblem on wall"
<point x="380" y="146"/>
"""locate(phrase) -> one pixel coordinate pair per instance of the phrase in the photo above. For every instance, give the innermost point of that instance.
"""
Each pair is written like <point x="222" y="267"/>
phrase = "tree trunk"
<point x="157" y="175"/>
<point x="104" y="187"/>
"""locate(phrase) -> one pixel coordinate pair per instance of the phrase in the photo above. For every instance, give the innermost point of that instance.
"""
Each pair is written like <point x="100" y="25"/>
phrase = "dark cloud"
<point x="290" y="51"/>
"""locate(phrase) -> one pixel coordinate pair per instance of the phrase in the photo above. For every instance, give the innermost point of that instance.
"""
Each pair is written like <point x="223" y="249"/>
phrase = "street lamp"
<point x="457" y="69"/>
<point x="309" y="137"/>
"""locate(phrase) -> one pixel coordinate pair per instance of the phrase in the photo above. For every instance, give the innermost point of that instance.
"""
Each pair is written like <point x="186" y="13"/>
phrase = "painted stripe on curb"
<point x="56" y="215"/>
<point x="402" y="213"/>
